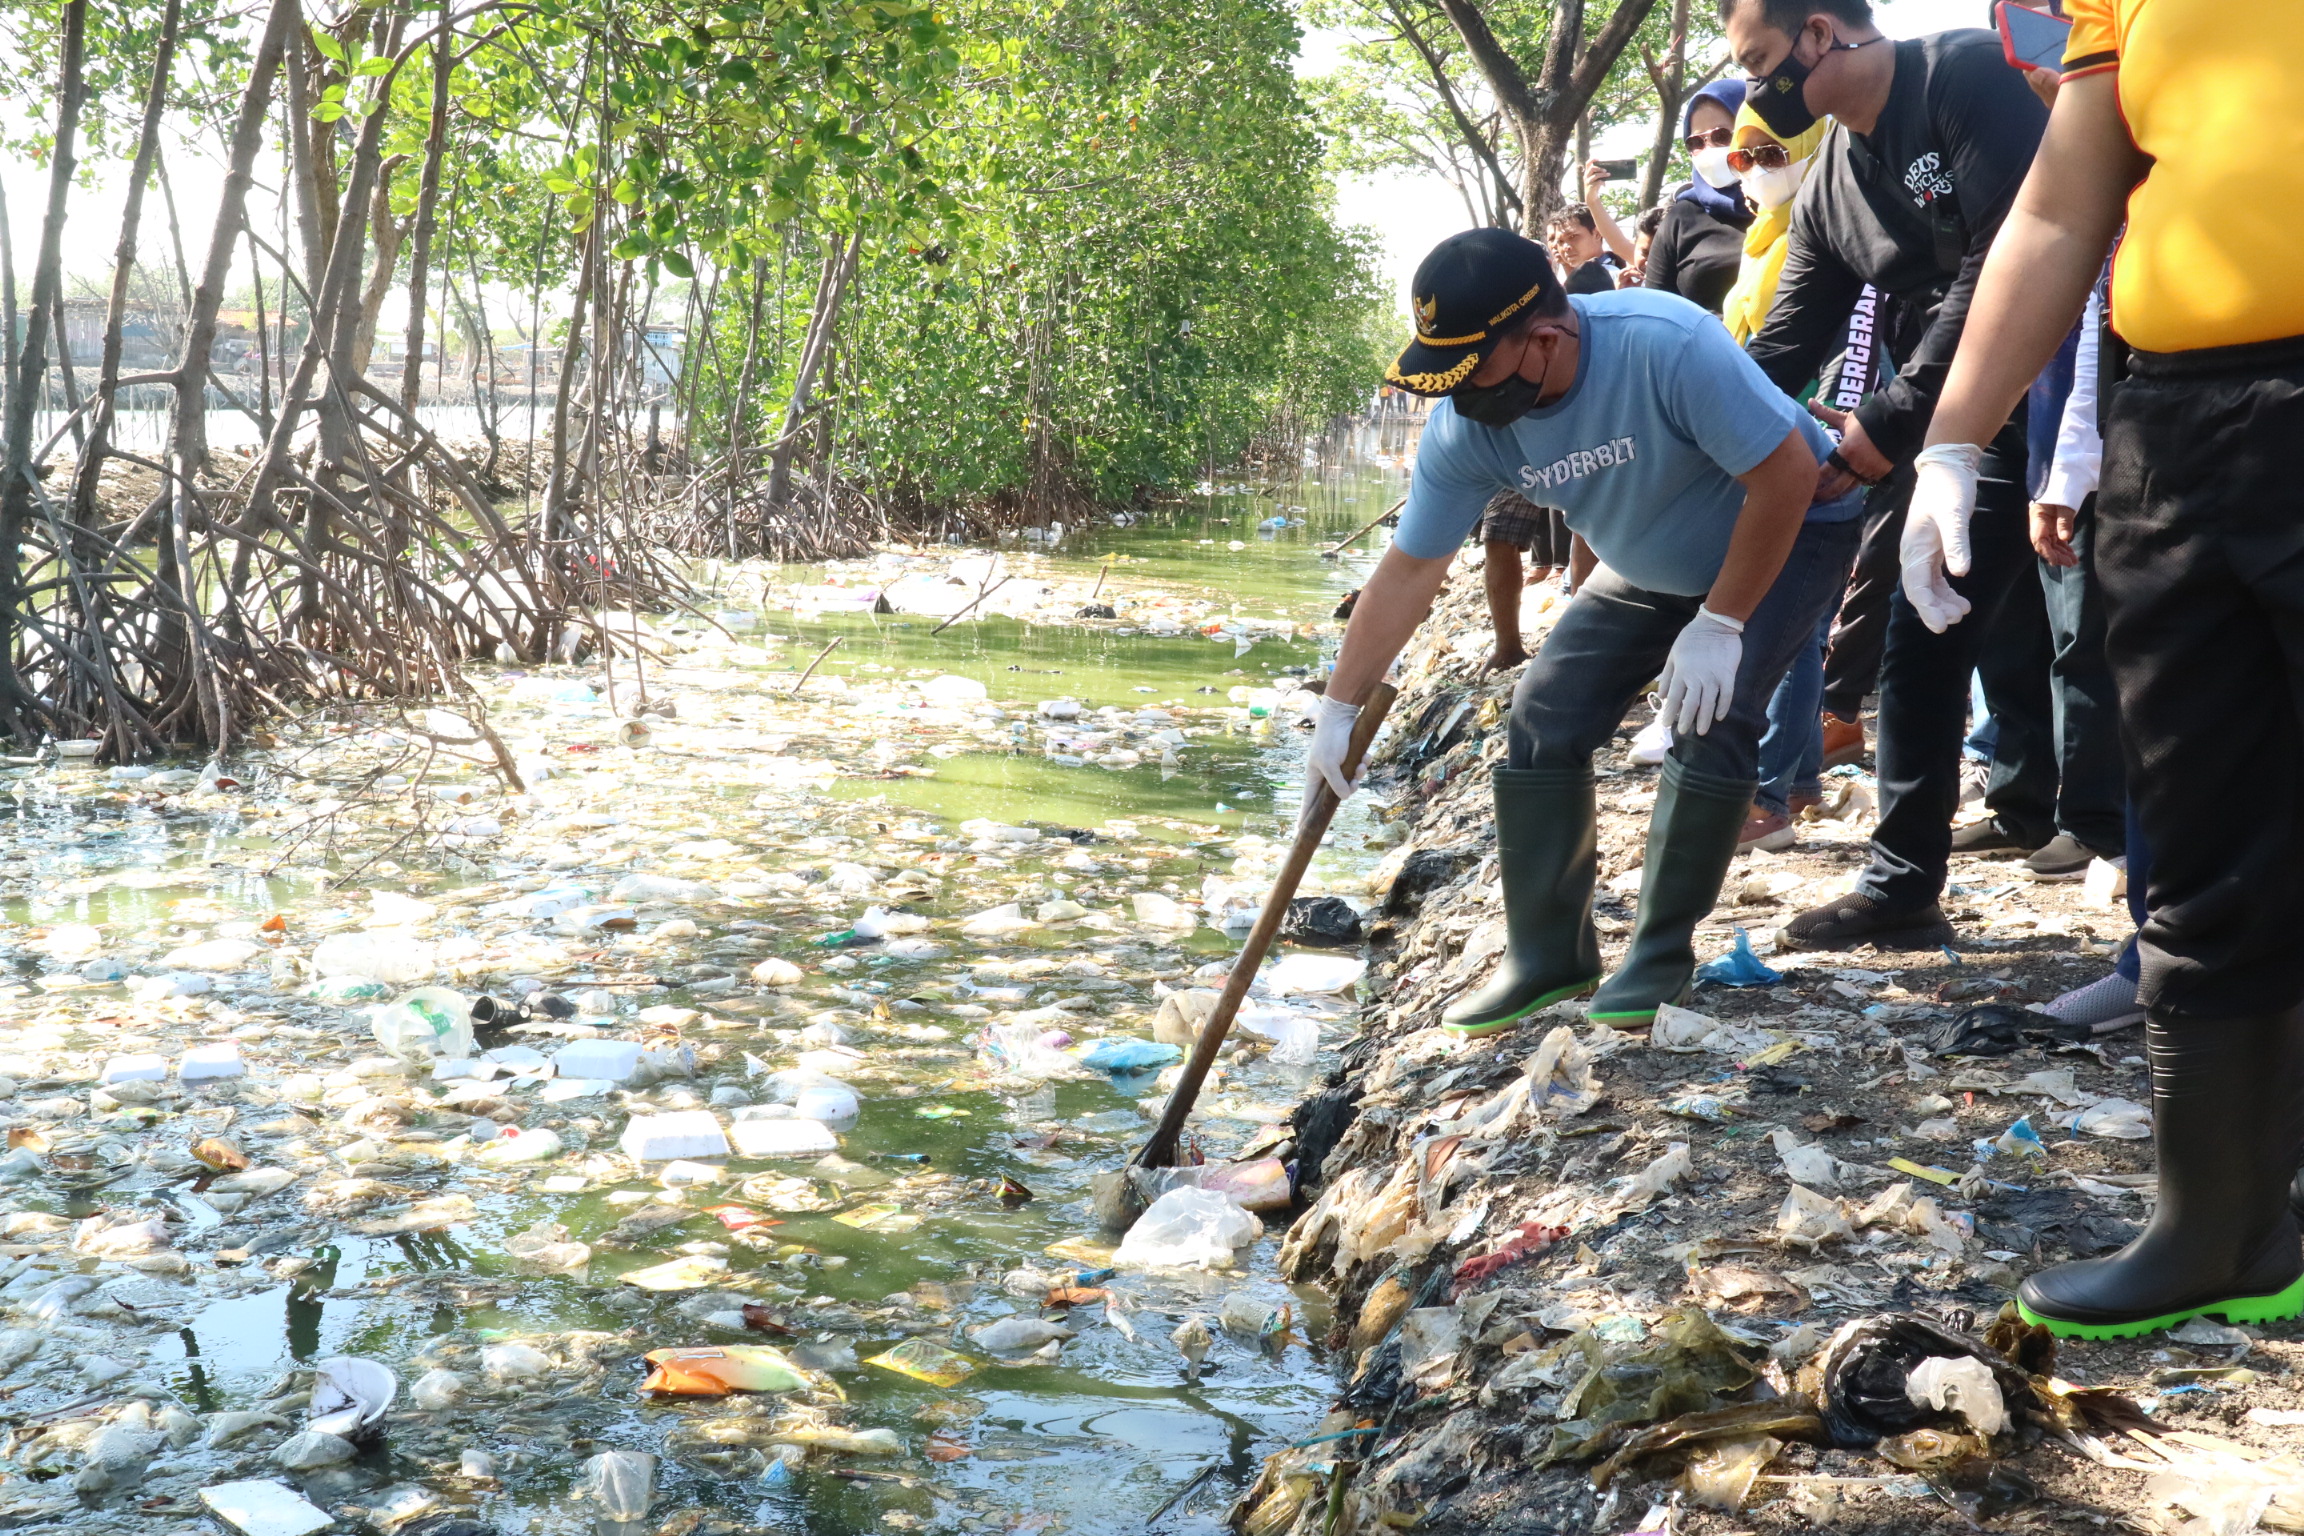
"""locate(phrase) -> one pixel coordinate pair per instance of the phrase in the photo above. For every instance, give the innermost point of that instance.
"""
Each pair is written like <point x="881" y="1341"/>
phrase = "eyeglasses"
<point x="1768" y="157"/>
<point x="1710" y="138"/>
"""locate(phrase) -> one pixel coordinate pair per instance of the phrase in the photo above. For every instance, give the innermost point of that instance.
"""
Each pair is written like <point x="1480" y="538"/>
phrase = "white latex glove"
<point x="1700" y="675"/>
<point x="1331" y="734"/>
<point x="1935" y="538"/>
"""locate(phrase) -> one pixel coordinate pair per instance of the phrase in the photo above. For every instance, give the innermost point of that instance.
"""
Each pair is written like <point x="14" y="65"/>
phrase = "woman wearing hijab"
<point x="1769" y="171"/>
<point x="1700" y="245"/>
<point x="1792" y="752"/>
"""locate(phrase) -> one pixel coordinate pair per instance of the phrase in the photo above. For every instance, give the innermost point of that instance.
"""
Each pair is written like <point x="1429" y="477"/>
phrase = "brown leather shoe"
<point x="1766" y="830"/>
<point x="1843" y="740"/>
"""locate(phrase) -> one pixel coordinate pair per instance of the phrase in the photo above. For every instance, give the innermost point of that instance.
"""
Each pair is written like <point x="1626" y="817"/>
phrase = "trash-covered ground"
<point x="1744" y="1271"/>
<point x="696" y="1137"/>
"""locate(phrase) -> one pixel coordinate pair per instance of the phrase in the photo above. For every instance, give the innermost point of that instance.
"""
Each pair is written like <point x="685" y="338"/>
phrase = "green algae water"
<point x="954" y="1200"/>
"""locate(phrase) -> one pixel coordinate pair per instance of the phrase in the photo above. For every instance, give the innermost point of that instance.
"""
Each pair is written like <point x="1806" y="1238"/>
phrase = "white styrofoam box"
<point x="136" y="1069"/>
<point x="615" y="1060"/>
<point x="683" y="1133"/>
<point x="783" y="1138"/>
<point x="210" y="1063"/>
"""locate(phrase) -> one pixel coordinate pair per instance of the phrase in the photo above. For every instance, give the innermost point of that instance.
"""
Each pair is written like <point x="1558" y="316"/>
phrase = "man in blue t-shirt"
<point x="1694" y="481"/>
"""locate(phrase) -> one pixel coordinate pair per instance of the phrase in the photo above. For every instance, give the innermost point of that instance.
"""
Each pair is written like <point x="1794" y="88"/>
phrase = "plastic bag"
<point x="1012" y="1335"/>
<point x="1739" y="967"/>
<point x="1260" y="1185"/>
<point x="1722" y="1475"/>
<point x="1187" y="1229"/>
<point x="1125" y="1053"/>
<point x="714" y="1372"/>
<point x="1017" y="1050"/>
<point x="1807" y="1219"/>
<point x="925" y="1360"/>
<point x="424" y="1025"/>
<point x="546" y="1247"/>
<point x="1315" y="973"/>
<point x="1959" y="1384"/>
<point x="1295" y="1038"/>
<point x="350" y="1396"/>
<point x="1806" y="1162"/>
<point x="621" y="1483"/>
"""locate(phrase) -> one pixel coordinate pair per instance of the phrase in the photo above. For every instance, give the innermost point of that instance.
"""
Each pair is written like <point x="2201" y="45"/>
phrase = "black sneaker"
<point x="1990" y="835"/>
<point x="2062" y="857"/>
<point x="1854" y="919"/>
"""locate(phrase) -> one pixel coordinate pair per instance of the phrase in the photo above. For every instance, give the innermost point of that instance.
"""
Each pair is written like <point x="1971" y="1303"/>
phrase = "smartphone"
<point x="1620" y="170"/>
<point x="2031" y="39"/>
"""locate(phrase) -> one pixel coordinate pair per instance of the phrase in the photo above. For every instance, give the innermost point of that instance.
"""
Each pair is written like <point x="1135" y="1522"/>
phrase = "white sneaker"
<point x="2104" y="1005"/>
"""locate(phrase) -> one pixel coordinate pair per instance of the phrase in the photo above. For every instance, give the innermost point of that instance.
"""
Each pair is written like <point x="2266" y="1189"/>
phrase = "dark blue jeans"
<point x="1792" y="753"/>
<point x="2092" y="786"/>
<point x="1924" y="691"/>
<point x="1614" y="638"/>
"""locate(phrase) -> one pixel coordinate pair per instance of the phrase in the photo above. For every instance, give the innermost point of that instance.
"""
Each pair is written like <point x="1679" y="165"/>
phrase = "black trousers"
<point x="1924" y="690"/>
<point x="1860" y="633"/>
<point x="2200" y="548"/>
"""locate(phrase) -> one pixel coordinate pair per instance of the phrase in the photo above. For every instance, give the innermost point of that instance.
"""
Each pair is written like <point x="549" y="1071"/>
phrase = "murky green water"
<point x="1097" y="1442"/>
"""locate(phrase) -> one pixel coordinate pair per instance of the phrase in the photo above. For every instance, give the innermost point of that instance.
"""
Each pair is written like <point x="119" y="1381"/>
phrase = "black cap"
<point x="1470" y="284"/>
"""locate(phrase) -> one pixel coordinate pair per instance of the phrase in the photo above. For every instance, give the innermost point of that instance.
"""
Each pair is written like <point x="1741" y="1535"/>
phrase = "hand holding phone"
<point x="2031" y="39"/>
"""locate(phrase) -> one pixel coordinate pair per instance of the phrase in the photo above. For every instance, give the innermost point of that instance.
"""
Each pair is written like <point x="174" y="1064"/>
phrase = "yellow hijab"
<point x="1765" y="242"/>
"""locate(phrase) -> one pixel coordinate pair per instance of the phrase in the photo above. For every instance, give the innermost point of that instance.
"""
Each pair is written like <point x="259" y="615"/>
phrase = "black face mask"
<point x="1500" y="404"/>
<point x="1780" y="100"/>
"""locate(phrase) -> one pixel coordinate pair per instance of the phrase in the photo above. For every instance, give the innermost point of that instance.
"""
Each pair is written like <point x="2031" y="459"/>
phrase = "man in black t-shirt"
<point x="1935" y="135"/>
<point x="1577" y="249"/>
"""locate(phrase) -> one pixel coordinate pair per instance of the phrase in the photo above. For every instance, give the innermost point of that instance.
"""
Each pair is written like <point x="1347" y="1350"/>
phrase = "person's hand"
<point x="1935" y="542"/>
<point x="1633" y="276"/>
<point x="2052" y="533"/>
<point x="1324" y="764"/>
<point x="1856" y="450"/>
<point x="1595" y="177"/>
<point x="2043" y="82"/>
<point x="1509" y="653"/>
<point x="1699" y="678"/>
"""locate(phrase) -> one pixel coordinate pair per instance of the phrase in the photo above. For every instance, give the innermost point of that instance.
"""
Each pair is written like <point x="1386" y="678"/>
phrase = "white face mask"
<point x="1712" y="165"/>
<point x="1774" y="188"/>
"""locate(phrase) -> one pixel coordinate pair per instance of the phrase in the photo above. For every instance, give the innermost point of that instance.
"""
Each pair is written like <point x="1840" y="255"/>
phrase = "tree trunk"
<point x="427" y="198"/>
<point x="189" y="433"/>
<point x="308" y="151"/>
<point x="19" y="711"/>
<point x="388" y="235"/>
<point x="123" y="269"/>
<point x="8" y="338"/>
<point x="1671" y="81"/>
<point x="831" y="287"/>
<point x="557" y="521"/>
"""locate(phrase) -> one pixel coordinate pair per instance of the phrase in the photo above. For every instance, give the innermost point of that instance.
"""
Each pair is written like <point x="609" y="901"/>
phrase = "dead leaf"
<point x="1828" y="1124"/>
<point x="220" y="1154"/>
<point x="945" y="1448"/>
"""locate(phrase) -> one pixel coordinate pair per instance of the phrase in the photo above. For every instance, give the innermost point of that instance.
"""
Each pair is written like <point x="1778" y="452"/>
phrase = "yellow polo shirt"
<point x="2213" y="91"/>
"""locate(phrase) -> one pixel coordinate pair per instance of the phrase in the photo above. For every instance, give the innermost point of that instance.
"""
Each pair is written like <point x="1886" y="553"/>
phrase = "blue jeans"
<point x="1792" y="753"/>
<point x="1614" y="638"/>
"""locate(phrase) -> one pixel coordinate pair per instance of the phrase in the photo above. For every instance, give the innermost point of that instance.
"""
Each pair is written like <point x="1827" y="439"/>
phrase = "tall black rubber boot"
<point x="1547" y="852"/>
<point x="1691" y="837"/>
<point x="2222" y="1240"/>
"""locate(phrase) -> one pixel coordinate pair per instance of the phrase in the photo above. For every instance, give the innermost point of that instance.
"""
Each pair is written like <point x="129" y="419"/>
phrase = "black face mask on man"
<point x="1780" y="98"/>
<point x="1504" y="402"/>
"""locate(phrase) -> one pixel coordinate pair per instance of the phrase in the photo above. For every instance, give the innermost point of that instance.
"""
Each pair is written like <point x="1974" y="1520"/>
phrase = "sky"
<point x="1408" y="214"/>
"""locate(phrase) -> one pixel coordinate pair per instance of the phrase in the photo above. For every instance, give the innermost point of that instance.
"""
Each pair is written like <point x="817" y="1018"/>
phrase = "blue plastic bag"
<point x="1127" y="1054"/>
<point x="1739" y="967"/>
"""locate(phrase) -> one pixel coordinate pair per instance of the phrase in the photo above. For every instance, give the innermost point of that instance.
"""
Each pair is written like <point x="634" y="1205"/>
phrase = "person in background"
<point x="1935" y="134"/>
<point x="1510" y="527"/>
<point x="2199" y="542"/>
<point x="1636" y="275"/>
<point x="1699" y="246"/>
<point x="1585" y="266"/>
<point x="1791" y="753"/>
<point x="1693" y="480"/>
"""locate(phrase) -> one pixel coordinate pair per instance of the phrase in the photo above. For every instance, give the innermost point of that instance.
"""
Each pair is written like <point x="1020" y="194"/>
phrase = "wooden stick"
<point x="1333" y="550"/>
<point x="1100" y="575"/>
<point x="972" y="602"/>
<point x="819" y="661"/>
<point x="1160" y="1149"/>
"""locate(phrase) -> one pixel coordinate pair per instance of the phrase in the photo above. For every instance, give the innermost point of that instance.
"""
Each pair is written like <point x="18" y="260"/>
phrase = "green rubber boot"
<point x="1691" y="837"/>
<point x="1547" y="852"/>
<point x="2222" y="1241"/>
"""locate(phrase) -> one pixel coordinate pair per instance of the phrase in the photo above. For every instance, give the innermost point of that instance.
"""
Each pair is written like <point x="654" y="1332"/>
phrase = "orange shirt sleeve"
<point x="2095" y="42"/>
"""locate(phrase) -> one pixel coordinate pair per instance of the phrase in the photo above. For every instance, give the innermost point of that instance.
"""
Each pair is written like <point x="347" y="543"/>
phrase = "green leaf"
<point x="676" y="262"/>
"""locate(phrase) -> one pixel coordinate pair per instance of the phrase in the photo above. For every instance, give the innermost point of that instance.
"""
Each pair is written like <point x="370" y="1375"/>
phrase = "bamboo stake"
<point x="972" y="602"/>
<point x="819" y="661"/>
<point x="1333" y="550"/>
<point x="1160" y="1149"/>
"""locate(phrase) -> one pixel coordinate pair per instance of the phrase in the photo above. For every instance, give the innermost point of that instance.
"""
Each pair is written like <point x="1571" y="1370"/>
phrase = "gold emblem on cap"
<point x="1427" y="313"/>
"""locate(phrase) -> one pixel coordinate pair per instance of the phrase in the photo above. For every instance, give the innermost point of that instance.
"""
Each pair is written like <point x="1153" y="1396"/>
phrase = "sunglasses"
<point x="1710" y="138"/>
<point x="1767" y="157"/>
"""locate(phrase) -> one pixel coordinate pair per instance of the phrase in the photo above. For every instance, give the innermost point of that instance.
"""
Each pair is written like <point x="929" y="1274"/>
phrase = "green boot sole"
<point x="1543" y="1001"/>
<point x="2277" y="1307"/>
